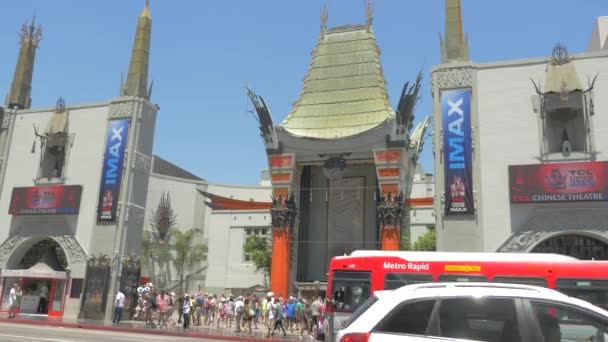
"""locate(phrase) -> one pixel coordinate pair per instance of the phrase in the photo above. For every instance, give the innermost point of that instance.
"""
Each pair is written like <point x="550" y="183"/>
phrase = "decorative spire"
<point x="30" y="36"/>
<point x="146" y="11"/>
<point x="137" y="78"/>
<point x="324" y="16"/>
<point x="369" y="14"/>
<point x="455" y="48"/>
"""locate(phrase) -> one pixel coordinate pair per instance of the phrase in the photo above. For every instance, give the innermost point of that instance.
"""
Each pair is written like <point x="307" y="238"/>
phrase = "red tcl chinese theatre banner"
<point x="559" y="182"/>
<point x="46" y="200"/>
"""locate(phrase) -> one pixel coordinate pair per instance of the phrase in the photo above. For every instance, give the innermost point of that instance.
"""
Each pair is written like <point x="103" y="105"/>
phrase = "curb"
<point x="137" y="330"/>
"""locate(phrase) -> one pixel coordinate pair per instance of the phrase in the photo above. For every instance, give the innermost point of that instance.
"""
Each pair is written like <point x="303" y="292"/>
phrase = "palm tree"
<point x="148" y="257"/>
<point x="187" y="253"/>
<point x="163" y="219"/>
<point x="156" y="247"/>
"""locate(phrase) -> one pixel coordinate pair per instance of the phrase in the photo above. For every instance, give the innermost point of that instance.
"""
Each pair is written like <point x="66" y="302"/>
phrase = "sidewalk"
<point x="205" y="332"/>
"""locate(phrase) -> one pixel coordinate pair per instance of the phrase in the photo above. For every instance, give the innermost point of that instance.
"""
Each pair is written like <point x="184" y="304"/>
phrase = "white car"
<point x="475" y="312"/>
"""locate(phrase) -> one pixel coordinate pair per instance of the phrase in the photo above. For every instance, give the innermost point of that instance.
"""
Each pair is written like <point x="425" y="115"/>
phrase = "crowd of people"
<point x="271" y="313"/>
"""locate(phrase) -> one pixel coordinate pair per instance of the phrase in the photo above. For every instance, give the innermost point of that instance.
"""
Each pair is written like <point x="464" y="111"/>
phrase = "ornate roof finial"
<point x="146" y="11"/>
<point x="369" y="13"/>
<point x="560" y="55"/>
<point x="60" y="107"/>
<point x="324" y="16"/>
<point x="31" y="33"/>
<point x="21" y="87"/>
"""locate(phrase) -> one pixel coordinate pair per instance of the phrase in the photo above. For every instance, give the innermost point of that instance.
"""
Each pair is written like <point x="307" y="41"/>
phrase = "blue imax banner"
<point x="111" y="176"/>
<point x="456" y="116"/>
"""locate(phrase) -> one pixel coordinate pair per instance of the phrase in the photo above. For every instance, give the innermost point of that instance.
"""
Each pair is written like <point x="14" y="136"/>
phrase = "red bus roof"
<point x="458" y="256"/>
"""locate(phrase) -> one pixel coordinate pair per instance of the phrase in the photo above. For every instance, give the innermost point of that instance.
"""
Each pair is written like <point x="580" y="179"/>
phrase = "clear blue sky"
<point x="204" y="53"/>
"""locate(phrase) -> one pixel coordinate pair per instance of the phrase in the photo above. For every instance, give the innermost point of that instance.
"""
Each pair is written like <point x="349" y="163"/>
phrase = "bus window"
<point x="461" y="278"/>
<point x="594" y="291"/>
<point x="396" y="280"/>
<point x="536" y="281"/>
<point x="350" y="289"/>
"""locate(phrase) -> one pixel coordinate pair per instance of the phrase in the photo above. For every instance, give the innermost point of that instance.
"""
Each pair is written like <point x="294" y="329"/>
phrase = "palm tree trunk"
<point x="181" y="282"/>
<point x="153" y="268"/>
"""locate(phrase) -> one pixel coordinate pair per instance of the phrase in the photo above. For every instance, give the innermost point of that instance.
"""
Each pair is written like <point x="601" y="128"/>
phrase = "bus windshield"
<point x="350" y="289"/>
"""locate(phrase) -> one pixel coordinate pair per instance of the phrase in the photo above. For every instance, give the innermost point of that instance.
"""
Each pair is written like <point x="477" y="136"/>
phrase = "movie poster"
<point x="457" y="154"/>
<point x="111" y="175"/>
<point x="559" y="182"/>
<point x="97" y="281"/>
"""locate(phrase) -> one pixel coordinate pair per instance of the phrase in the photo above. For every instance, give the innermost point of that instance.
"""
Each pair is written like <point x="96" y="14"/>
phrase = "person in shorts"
<point x="290" y="313"/>
<point x="172" y="304"/>
<point x="198" y="308"/>
<point x="163" y="301"/>
<point x="229" y="308"/>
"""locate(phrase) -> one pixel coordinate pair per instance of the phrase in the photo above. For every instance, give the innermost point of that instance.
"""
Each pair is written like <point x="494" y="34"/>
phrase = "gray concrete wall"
<point x="227" y="267"/>
<point x="509" y="135"/>
<point x="505" y="132"/>
<point x="22" y="167"/>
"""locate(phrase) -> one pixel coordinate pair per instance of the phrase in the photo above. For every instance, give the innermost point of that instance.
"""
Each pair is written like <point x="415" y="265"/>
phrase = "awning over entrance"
<point x="39" y="270"/>
<point x="546" y="223"/>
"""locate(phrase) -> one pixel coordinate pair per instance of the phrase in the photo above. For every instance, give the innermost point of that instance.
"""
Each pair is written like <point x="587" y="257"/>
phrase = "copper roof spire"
<point x="137" y="78"/>
<point x="30" y="37"/>
<point x="455" y="48"/>
<point x="324" y="16"/>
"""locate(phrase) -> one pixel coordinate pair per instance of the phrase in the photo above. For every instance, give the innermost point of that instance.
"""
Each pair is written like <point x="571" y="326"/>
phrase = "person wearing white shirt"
<point x="238" y="313"/>
<point x="14" y="299"/>
<point x="270" y="309"/>
<point x="186" y="306"/>
<point x="43" y="302"/>
<point x="119" y="305"/>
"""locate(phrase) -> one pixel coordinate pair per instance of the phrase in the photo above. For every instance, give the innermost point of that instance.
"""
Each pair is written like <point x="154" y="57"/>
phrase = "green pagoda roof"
<point x="344" y="92"/>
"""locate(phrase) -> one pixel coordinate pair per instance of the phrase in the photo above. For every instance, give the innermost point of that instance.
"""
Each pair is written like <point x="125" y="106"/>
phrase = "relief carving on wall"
<point x="101" y="260"/>
<point x="283" y="212"/>
<point x="121" y="110"/>
<point x="390" y="210"/>
<point x="132" y="262"/>
<point x="452" y="78"/>
<point x="6" y="118"/>
<point x="70" y="245"/>
<point x="7" y="248"/>
<point x="522" y="241"/>
<point x="73" y="250"/>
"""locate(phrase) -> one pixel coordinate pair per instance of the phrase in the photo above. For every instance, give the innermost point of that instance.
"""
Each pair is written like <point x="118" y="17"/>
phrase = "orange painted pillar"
<point x="279" y="267"/>
<point x="391" y="239"/>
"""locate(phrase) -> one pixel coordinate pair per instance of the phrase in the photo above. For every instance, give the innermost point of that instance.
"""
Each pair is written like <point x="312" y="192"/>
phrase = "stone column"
<point x="391" y="170"/>
<point x="283" y="215"/>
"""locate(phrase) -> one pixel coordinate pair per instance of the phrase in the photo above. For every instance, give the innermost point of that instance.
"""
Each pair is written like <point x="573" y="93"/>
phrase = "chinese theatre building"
<point x="521" y="149"/>
<point x="341" y="163"/>
<point x="73" y="184"/>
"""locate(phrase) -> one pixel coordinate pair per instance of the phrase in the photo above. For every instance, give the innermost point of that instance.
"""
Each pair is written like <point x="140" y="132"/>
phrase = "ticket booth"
<point x="42" y="287"/>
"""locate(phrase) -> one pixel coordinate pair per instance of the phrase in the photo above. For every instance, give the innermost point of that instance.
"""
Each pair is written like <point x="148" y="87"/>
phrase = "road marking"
<point x="36" y="338"/>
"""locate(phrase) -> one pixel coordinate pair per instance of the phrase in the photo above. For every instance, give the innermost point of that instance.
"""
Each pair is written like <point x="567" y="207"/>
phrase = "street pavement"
<point x="24" y="325"/>
<point x="10" y="332"/>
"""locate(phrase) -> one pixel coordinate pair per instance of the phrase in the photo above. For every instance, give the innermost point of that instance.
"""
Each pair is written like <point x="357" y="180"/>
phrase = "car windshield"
<point x="360" y="310"/>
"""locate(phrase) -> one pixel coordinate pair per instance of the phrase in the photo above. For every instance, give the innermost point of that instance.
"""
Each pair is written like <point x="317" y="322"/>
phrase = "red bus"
<point x="352" y="279"/>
